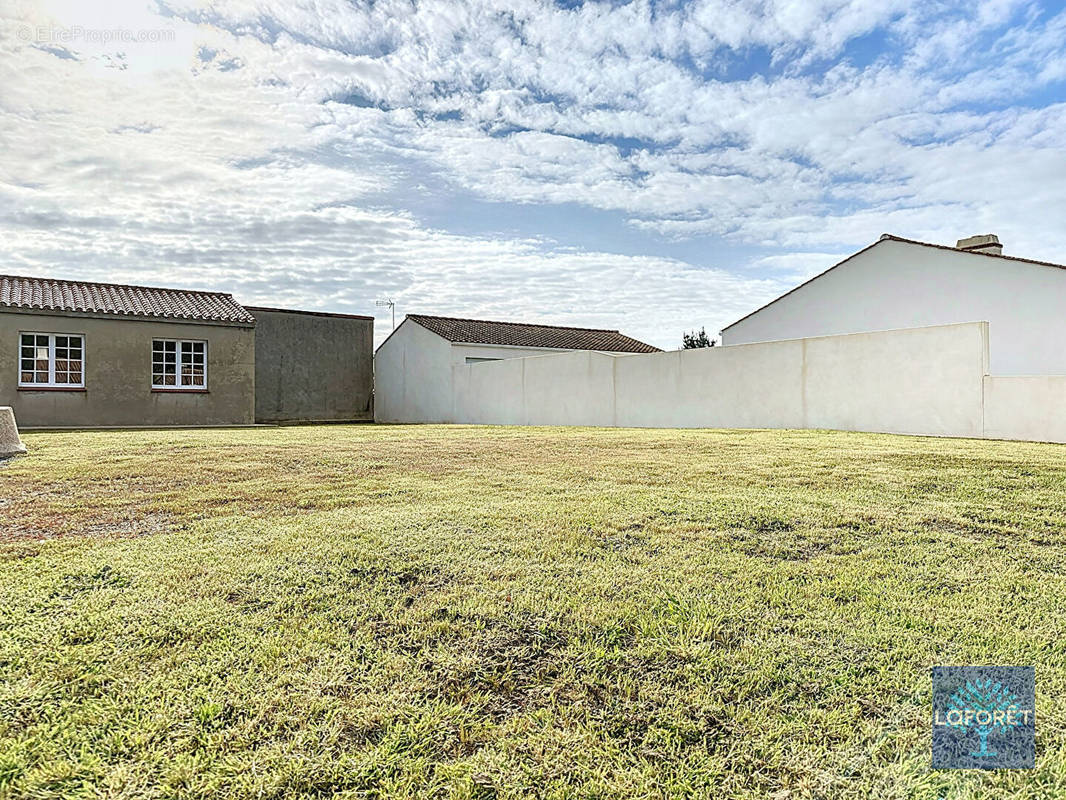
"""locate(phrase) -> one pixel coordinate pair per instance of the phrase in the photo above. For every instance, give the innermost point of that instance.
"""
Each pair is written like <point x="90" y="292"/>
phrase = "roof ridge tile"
<point x="462" y="330"/>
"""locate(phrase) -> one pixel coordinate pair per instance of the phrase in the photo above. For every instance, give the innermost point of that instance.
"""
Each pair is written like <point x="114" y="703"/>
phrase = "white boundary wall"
<point x="1028" y="408"/>
<point x="928" y="381"/>
<point x="921" y="380"/>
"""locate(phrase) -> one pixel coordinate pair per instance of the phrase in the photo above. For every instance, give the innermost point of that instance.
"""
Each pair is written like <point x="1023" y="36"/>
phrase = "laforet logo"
<point x="984" y="717"/>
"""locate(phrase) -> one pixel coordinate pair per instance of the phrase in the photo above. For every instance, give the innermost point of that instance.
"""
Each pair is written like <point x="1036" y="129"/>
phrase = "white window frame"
<point x="51" y="361"/>
<point x="178" y="386"/>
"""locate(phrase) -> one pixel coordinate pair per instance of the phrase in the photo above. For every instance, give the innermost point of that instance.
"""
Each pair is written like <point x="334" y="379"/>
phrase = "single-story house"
<point x="81" y="354"/>
<point x="413" y="366"/>
<point x="901" y="283"/>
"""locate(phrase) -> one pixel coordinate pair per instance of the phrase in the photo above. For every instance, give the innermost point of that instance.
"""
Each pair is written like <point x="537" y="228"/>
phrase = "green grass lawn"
<point x="434" y="611"/>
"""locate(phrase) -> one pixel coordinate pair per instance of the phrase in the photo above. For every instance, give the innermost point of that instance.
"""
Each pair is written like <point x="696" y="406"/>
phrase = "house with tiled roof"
<point x="413" y="367"/>
<point x="83" y="354"/>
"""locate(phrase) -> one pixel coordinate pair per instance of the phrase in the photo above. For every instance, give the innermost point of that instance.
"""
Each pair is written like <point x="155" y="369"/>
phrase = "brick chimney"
<point x="984" y="243"/>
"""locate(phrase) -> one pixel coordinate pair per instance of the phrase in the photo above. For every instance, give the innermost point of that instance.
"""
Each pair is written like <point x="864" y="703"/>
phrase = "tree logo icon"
<point x="983" y="717"/>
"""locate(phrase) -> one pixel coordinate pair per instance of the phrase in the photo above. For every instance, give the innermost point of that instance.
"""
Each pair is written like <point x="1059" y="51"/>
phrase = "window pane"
<point x="51" y="359"/>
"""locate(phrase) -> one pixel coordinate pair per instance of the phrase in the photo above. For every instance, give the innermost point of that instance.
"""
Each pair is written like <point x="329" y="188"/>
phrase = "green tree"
<point x="690" y="341"/>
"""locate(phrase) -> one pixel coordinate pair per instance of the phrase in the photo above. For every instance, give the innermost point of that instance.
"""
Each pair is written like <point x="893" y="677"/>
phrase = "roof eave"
<point x="59" y="312"/>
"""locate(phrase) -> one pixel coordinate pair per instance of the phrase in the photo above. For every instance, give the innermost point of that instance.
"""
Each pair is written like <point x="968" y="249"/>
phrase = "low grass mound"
<point x="434" y="611"/>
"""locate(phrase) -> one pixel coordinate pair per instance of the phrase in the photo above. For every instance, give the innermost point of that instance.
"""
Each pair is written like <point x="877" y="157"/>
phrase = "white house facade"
<point x="900" y="283"/>
<point x="413" y="367"/>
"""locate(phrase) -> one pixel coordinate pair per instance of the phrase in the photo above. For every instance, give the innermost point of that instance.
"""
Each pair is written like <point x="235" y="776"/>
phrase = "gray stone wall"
<point x="313" y="367"/>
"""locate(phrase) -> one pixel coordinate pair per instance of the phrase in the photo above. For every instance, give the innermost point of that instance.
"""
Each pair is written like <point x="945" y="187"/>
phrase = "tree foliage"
<point x="690" y="341"/>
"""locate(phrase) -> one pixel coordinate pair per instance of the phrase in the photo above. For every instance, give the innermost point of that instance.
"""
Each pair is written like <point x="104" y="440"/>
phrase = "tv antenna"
<point x="389" y="304"/>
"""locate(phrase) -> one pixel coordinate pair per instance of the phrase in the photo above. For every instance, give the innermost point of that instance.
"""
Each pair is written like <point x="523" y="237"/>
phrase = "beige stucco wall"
<point x="492" y="393"/>
<point x="118" y="379"/>
<point x="917" y="380"/>
<point x="720" y="387"/>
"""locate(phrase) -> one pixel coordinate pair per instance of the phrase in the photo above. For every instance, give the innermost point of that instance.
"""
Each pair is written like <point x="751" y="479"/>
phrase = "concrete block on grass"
<point x="10" y="443"/>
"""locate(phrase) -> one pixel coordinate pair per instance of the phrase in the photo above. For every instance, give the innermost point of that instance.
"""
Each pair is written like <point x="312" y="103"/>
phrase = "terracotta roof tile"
<point x="121" y="300"/>
<point x="517" y="334"/>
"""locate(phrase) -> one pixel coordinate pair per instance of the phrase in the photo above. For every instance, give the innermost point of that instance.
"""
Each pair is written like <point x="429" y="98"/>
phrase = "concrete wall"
<point x="919" y="380"/>
<point x="724" y="387"/>
<point x="312" y="367"/>
<point x="899" y="285"/>
<point x="492" y="393"/>
<point x="1029" y="408"/>
<point x="118" y="374"/>
<point x="413" y="376"/>
<point x="570" y="388"/>
<point x="460" y="352"/>
<point x="925" y="380"/>
<point x="929" y="381"/>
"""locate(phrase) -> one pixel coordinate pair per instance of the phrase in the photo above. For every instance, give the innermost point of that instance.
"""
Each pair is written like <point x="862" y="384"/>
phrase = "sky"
<point x="653" y="167"/>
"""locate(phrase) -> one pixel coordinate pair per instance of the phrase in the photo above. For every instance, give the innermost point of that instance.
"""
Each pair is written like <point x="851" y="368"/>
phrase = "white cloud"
<point x="271" y="147"/>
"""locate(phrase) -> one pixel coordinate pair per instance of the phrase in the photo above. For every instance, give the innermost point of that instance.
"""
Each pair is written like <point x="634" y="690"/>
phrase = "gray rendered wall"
<point x="312" y="367"/>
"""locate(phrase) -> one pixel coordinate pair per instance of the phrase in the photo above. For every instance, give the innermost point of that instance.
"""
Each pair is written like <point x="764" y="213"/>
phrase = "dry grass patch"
<point x="435" y="611"/>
